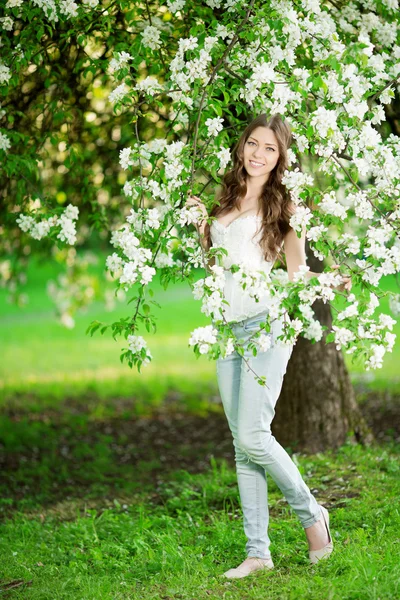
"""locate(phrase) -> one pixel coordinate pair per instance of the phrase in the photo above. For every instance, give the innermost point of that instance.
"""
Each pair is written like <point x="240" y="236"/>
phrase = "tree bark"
<point x="317" y="408"/>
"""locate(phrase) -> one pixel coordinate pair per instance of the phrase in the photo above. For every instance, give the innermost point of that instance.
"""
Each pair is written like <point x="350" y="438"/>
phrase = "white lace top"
<point x="237" y="238"/>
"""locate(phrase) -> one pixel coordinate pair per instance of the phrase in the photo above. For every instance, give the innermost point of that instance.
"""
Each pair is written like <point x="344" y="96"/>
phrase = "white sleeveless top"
<point x="237" y="238"/>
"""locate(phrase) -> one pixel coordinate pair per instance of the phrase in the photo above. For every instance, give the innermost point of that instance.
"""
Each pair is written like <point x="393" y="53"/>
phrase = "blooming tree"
<point x="201" y="69"/>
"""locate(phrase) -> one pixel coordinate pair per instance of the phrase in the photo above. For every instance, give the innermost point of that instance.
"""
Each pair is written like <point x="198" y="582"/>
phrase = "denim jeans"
<point x="249" y="409"/>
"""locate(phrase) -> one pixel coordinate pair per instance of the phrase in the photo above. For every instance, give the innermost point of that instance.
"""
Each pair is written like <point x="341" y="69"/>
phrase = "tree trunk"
<point x="317" y="406"/>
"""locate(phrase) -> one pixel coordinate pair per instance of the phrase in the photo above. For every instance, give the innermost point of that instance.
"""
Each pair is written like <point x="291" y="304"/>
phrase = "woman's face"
<point x="260" y="153"/>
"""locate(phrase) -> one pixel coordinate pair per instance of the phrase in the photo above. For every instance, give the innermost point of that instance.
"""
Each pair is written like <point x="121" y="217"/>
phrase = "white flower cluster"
<point x="40" y="229"/>
<point x="135" y="267"/>
<point x="351" y="243"/>
<point x="362" y="207"/>
<point x="118" y="93"/>
<point x="4" y="142"/>
<point x="136" y="344"/>
<point x="67" y="223"/>
<point x="5" y="73"/>
<point x="173" y="164"/>
<point x="255" y="283"/>
<point x="191" y="248"/>
<point x="300" y="218"/>
<point x="263" y="73"/>
<point x="296" y="181"/>
<point x="224" y="157"/>
<point x="203" y="338"/>
<point x="151" y="37"/>
<point x="329" y="205"/>
<point x="188" y="215"/>
<point x="185" y="72"/>
<point x="7" y="23"/>
<point x="214" y="126"/>
<point x="150" y="85"/>
<point x="210" y="290"/>
<point x="379" y="331"/>
<point x="324" y="122"/>
<point x="314" y="234"/>
<point x="301" y="274"/>
<point x="120" y="61"/>
<point x="142" y="156"/>
<point x="14" y="3"/>
<point x="175" y="5"/>
<point x="68" y="8"/>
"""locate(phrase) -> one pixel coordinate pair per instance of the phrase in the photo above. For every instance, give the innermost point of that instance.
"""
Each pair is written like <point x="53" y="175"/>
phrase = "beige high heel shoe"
<point x="316" y="555"/>
<point x="249" y="566"/>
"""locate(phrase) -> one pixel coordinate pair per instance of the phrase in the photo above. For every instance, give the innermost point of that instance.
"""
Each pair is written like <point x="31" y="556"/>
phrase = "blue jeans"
<point x="250" y="408"/>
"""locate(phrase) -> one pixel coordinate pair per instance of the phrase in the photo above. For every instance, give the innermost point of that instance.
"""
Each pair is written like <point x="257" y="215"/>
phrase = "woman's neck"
<point x="254" y="186"/>
<point x="253" y="193"/>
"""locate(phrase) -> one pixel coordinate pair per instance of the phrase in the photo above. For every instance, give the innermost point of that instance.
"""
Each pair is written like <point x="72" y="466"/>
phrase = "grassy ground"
<point x="42" y="357"/>
<point x="99" y="508"/>
<point x="97" y="503"/>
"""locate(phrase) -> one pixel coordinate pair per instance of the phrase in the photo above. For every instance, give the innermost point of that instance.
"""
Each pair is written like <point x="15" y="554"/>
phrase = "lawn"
<point x="118" y="485"/>
<point x="40" y="357"/>
<point x="99" y="508"/>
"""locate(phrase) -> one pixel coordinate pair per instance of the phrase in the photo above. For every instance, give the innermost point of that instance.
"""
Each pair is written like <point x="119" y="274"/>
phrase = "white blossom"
<point x="315" y="233"/>
<point x="120" y="61"/>
<point x="342" y="336"/>
<point x="113" y="262"/>
<point x="119" y="93"/>
<point x="204" y="337"/>
<point x="301" y="274"/>
<point x="330" y="206"/>
<point x="7" y="23"/>
<point x="151" y="37"/>
<point x="224" y="157"/>
<point x="214" y="126"/>
<point x="68" y="229"/>
<point x="5" y="74"/>
<point x="150" y="85"/>
<point x="125" y="159"/>
<point x="175" y="5"/>
<point x="71" y="212"/>
<point x="300" y="218"/>
<point x="136" y="343"/>
<point x="4" y="142"/>
<point x="147" y="273"/>
<point x="69" y="8"/>
<point x="313" y="331"/>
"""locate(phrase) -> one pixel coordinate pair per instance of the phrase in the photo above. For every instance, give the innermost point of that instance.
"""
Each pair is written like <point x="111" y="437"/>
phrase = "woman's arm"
<point x="295" y="252"/>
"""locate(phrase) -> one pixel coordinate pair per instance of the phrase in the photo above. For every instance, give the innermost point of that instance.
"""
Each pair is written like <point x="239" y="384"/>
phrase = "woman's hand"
<point x="195" y="201"/>
<point x="346" y="281"/>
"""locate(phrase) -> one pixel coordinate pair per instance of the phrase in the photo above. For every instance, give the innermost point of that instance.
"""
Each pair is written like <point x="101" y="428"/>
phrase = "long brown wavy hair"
<point x="274" y="200"/>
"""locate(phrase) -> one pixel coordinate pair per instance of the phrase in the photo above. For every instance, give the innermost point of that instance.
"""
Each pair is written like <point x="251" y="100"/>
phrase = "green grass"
<point x="174" y="539"/>
<point x="94" y="506"/>
<point x="41" y="357"/>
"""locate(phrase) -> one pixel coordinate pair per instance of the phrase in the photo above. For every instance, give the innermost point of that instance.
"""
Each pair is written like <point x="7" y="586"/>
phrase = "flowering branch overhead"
<point x="200" y="72"/>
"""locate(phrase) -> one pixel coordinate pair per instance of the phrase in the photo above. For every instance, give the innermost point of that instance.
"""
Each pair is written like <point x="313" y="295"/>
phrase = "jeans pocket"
<point x="253" y="323"/>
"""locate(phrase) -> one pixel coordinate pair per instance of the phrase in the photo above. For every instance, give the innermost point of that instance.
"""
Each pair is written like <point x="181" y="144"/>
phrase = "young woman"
<point x="252" y="223"/>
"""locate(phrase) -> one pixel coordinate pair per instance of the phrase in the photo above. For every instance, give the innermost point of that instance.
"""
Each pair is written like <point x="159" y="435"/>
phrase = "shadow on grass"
<point x="86" y="452"/>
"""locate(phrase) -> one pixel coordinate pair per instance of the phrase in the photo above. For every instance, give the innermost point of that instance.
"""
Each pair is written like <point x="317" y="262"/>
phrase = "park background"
<point x="121" y="485"/>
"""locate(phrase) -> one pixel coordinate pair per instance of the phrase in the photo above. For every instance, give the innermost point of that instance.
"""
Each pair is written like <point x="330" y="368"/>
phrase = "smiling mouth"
<point x="255" y="164"/>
